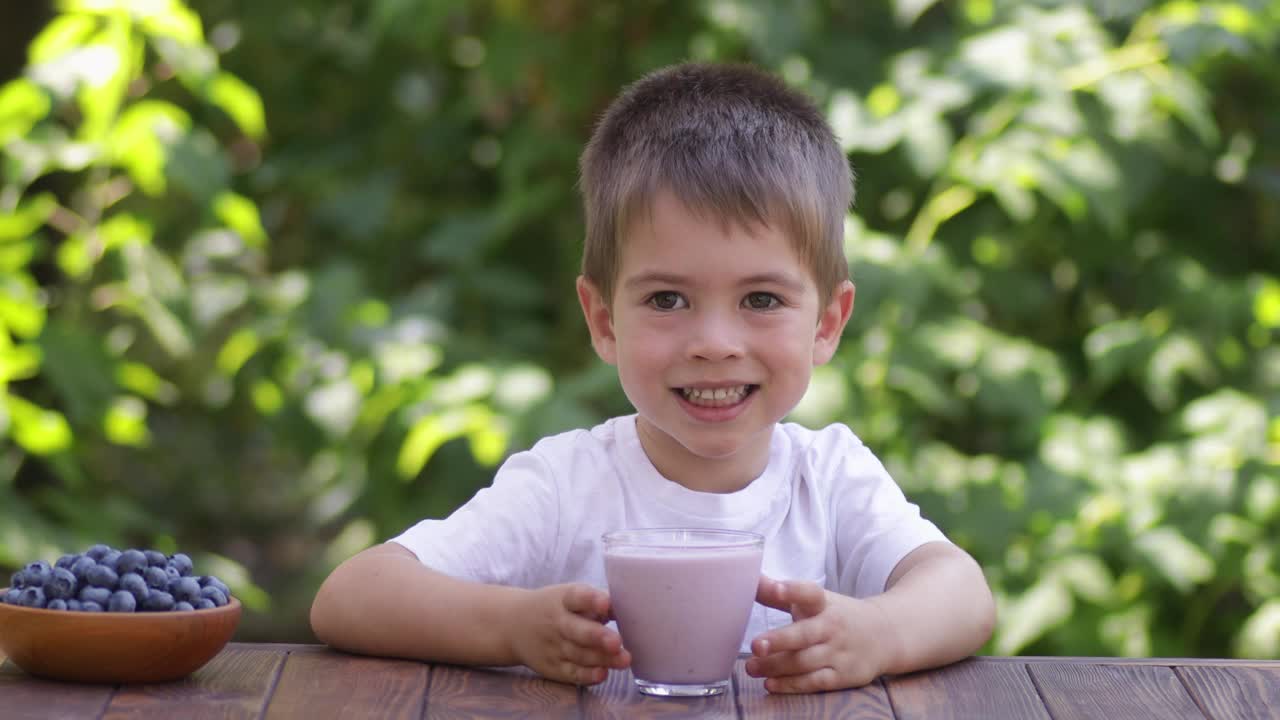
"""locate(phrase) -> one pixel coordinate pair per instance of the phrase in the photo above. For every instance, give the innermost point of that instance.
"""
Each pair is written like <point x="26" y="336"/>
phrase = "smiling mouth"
<point x="716" y="397"/>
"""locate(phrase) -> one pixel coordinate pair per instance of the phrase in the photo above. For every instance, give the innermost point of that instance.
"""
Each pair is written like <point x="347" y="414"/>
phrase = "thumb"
<point x="772" y="593"/>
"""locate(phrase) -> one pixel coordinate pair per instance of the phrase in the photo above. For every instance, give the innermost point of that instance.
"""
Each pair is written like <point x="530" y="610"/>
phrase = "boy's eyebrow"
<point x="655" y="278"/>
<point x="766" y="278"/>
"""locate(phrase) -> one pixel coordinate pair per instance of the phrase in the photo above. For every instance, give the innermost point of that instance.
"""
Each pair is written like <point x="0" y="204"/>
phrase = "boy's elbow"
<point x="321" y="612"/>
<point x="984" y="605"/>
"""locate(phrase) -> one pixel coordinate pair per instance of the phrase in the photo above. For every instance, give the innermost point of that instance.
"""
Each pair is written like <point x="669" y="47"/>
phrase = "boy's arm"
<point x="384" y="602"/>
<point x="936" y="609"/>
<point x="937" y="606"/>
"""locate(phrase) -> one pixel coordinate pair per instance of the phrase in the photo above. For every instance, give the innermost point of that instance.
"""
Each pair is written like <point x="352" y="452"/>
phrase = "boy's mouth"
<point x="716" y="397"/>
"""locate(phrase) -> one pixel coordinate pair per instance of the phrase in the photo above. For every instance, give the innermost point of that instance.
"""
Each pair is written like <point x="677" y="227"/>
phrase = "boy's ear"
<point x="831" y="322"/>
<point x="599" y="320"/>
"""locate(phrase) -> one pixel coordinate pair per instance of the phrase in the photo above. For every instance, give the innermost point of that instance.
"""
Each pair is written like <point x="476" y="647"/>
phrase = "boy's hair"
<point x="731" y="142"/>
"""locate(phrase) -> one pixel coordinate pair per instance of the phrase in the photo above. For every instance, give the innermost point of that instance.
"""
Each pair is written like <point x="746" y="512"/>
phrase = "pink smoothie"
<point x="682" y="611"/>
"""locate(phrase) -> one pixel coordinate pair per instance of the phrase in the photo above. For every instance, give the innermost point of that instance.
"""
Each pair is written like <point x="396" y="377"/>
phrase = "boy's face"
<point x="715" y="329"/>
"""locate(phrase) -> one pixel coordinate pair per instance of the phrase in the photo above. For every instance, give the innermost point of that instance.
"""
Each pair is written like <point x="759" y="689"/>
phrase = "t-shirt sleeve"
<point x="874" y="524"/>
<point x="504" y="535"/>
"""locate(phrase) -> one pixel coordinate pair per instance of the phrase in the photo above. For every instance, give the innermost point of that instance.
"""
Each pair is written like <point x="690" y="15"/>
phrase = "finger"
<point x="772" y="593"/>
<point x="788" y="638"/>
<point x="579" y="675"/>
<point x="819" y="680"/>
<point x="587" y="601"/>
<point x="589" y="634"/>
<point x="784" y="664"/>
<point x="807" y="599"/>
<point x="594" y="657"/>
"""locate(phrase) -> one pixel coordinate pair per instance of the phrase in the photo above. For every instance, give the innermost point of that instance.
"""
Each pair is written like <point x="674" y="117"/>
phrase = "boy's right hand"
<point x="561" y="635"/>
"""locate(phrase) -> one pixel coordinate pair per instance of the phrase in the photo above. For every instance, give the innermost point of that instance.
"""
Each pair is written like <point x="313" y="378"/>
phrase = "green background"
<point x="279" y="279"/>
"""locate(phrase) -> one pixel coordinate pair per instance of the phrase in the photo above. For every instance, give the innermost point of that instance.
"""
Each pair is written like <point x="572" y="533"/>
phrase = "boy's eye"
<point x="762" y="301"/>
<point x="666" y="300"/>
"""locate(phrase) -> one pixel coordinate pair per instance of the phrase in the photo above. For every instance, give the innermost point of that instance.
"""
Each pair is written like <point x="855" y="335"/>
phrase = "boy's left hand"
<point x="835" y="641"/>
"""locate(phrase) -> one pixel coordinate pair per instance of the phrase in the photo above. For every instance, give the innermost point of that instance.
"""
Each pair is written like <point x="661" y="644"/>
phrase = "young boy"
<point x="714" y="279"/>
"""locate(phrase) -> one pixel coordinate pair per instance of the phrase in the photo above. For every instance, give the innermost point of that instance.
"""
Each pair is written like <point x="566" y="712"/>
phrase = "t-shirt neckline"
<point x="743" y="506"/>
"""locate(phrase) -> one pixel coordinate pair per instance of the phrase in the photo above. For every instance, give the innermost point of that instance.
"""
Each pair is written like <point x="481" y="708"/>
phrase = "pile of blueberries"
<point x="105" y="579"/>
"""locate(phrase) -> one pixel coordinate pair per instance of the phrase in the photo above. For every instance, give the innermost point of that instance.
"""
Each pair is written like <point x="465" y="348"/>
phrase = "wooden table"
<point x="307" y="681"/>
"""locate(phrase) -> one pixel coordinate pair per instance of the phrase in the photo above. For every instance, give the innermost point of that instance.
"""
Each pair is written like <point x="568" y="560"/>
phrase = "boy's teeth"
<point x="717" y="396"/>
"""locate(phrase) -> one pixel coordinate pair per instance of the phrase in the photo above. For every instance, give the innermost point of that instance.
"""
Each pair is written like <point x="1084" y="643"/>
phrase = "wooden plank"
<point x="331" y="684"/>
<point x="1106" y="692"/>
<point x="1233" y="693"/>
<point x="1162" y="662"/>
<point x="235" y="684"/>
<point x="865" y="703"/>
<point x="967" y="690"/>
<point x="23" y="697"/>
<point x="617" y="697"/>
<point x="455" y="692"/>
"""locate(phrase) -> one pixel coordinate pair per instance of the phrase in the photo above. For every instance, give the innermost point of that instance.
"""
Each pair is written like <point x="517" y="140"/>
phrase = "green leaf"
<point x="241" y="215"/>
<point x="19" y="362"/>
<point x="1182" y="562"/>
<point x="16" y="255"/>
<point x="241" y="102"/>
<point x="144" y="381"/>
<point x="1045" y="605"/>
<point x="22" y="105"/>
<point x="37" y="430"/>
<point x="21" y="307"/>
<point x="169" y="19"/>
<point x="125" y="422"/>
<point x="237" y="350"/>
<point x="1266" y="305"/>
<point x="102" y="96"/>
<point x="63" y="34"/>
<point x="140" y="138"/>
<point x="30" y="215"/>
<point x="426" y="435"/>
<point x="1115" y="349"/>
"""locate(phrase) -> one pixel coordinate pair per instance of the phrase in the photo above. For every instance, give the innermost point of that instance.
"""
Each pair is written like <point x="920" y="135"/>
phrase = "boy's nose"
<point x="715" y="337"/>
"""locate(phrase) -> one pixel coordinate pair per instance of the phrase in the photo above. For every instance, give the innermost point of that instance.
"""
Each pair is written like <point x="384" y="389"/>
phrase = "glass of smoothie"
<point x="682" y="598"/>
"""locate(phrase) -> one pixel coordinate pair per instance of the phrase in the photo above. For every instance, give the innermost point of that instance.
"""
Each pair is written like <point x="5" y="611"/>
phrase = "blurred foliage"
<point x="279" y="279"/>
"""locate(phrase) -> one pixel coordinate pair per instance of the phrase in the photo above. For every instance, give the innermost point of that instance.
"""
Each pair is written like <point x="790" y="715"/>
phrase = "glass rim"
<point x="669" y="537"/>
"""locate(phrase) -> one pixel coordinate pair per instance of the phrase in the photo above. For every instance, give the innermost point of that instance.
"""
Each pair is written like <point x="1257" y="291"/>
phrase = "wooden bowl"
<point x="145" y="647"/>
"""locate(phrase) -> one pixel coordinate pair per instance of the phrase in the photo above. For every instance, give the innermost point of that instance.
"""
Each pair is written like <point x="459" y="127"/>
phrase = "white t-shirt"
<point x="827" y="508"/>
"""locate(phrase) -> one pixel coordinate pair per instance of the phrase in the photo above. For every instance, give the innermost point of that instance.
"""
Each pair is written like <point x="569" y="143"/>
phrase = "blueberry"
<point x="186" y="588"/>
<point x="12" y="596"/>
<point x="102" y="576"/>
<point x="214" y="594"/>
<point x="205" y="604"/>
<point x="56" y="604"/>
<point x="37" y="573"/>
<point x="215" y="582"/>
<point x="155" y="558"/>
<point x="211" y="581"/>
<point x="32" y="597"/>
<point x="133" y="584"/>
<point x="97" y="552"/>
<point x="87" y="606"/>
<point x="73" y="604"/>
<point x="61" y="584"/>
<point x="183" y="606"/>
<point x="122" y="601"/>
<point x="18" y="580"/>
<point x="99" y="595"/>
<point x="182" y="563"/>
<point x="66" y="561"/>
<point x="158" y="601"/>
<point x="131" y="561"/>
<point x="156" y="577"/>
<point x="111" y="559"/>
<point x="81" y="566"/>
